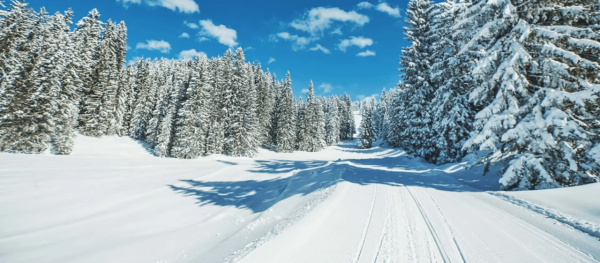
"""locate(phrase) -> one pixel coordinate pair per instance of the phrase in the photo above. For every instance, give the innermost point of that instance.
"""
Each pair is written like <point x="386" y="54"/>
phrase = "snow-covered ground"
<point x="112" y="201"/>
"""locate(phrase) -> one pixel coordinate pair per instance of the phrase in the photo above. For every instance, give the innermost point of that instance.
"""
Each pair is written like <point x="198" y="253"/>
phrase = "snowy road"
<point x="111" y="201"/>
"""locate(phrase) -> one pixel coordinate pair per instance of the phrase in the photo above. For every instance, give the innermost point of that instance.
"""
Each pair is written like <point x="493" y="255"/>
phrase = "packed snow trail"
<point x="111" y="201"/>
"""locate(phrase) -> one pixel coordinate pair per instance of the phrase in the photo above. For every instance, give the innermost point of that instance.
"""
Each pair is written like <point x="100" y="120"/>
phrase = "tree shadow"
<point x="391" y="167"/>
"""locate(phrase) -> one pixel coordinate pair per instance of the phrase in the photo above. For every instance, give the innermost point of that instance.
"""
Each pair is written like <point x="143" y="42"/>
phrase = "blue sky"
<point x="342" y="45"/>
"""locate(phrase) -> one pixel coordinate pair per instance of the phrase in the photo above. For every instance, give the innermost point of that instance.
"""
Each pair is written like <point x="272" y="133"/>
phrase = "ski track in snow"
<point x="577" y="223"/>
<point x="369" y="206"/>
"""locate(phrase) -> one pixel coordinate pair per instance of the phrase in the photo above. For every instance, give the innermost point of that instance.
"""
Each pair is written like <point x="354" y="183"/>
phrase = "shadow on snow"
<point x="386" y="166"/>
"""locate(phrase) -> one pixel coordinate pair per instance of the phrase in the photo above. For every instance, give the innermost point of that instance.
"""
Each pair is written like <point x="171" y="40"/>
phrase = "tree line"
<point x="516" y="82"/>
<point x="56" y="82"/>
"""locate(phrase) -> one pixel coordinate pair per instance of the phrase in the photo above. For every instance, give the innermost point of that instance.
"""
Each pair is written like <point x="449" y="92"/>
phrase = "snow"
<point x="112" y="201"/>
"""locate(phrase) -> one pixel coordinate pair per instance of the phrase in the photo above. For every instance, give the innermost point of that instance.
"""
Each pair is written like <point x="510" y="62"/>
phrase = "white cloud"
<point x="319" y="47"/>
<point x="365" y="5"/>
<point x="191" y="25"/>
<point x="326" y="87"/>
<point x="184" y="35"/>
<point x="304" y="91"/>
<point x="191" y="54"/>
<point x="248" y="48"/>
<point x="184" y="6"/>
<point x="367" y="53"/>
<point x="337" y="31"/>
<point x="159" y="45"/>
<point x="202" y="39"/>
<point x="224" y="35"/>
<point x="319" y="19"/>
<point x="298" y="41"/>
<point x="382" y="7"/>
<point x="271" y="60"/>
<point x="355" y="41"/>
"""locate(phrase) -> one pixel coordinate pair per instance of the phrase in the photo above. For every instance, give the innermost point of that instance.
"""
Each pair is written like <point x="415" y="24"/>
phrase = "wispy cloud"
<point x="298" y="41"/>
<point x="191" y="25"/>
<point x="191" y="54"/>
<point x="382" y="7"/>
<point x="337" y="31"/>
<point x="184" y="6"/>
<point x="159" y="45"/>
<point x="320" y="19"/>
<point x="367" y="53"/>
<point x="319" y="47"/>
<point x="271" y="60"/>
<point x="184" y="35"/>
<point x="360" y="42"/>
<point x="326" y="87"/>
<point x="223" y="34"/>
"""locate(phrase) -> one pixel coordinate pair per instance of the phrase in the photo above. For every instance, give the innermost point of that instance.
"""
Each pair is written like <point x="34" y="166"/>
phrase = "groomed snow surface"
<point x="113" y="201"/>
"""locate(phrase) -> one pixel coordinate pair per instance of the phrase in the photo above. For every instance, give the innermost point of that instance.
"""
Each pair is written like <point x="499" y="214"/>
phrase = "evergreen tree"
<point x="416" y="62"/>
<point x="266" y="105"/>
<point x="193" y="117"/>
<point x="332" y="122"/>
<point x="450" y="74"/>
<point x="286" y="118"/>
<point x="367" y="128"/>
<point x="347" y="127"/>
<point x="536" y="68"/>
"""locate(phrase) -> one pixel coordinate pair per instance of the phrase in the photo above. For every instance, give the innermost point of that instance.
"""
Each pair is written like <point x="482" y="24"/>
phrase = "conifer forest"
<point x="516" y="82"/>
<point x="416" y="131"/>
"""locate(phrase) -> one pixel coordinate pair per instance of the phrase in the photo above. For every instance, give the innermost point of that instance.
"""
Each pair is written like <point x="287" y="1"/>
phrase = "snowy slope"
<point x="112" y="201"/>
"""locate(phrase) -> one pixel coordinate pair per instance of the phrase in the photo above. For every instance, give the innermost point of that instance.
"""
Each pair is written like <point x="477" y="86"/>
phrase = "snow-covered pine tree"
<point x="286" y="118"/>
<point x="266" y="105"/>
<point x="312" y="124"/>
<point x="332" y="122"/>
<point x="176" y="84"/>
<point x="537" y="99"/>
<point x="127" y="98"/>
<point x="395" y="127"/>
<point x="193" y="117"/>
<point x="348" y="126"/>
<point x="89" y="33"/>
<point x="367" y="134"/>
<point x="451" y="77"/>
<point x="301" y="131"/>
<point x="242" y="139"/>
<point x="416" y="63"/>
<point x="66" y="108"/>
<point x="30" y="110"/>
<point x="379" y="115"/>
<point x="215" y="138"/>
<point x="118" y="43"/>
<point x="146" y="92"/>
<point x="164" y="84"/>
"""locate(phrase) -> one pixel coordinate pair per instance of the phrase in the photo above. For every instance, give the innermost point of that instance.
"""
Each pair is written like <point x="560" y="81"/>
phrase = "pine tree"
<point x="536" y="96"/>
<point x="379" y="115"/>
<point x="332" y="122"/>
<point x="286" y="118"/>
<point x="144" y="105"/>
<point x="416" y="62"/>
<point x="266" y="105"/>
<point x="347" y="126"/>
<point x="450" y="74"/>
<point x="89" y="32"/>
<point x="367" y="128"/>
<point x="66" y="109"/>
<point x="193" y="117"/>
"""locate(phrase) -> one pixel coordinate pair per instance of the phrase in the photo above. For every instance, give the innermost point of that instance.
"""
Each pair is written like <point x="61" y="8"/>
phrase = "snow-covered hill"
<point x="112" y="201"/>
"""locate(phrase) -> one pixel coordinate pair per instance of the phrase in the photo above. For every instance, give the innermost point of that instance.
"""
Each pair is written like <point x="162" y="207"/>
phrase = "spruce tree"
<point x="286" y="118"/>
<point x="367" y="134"/>
<point x="416" y="62"/>
<point x="536" y="93"/>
